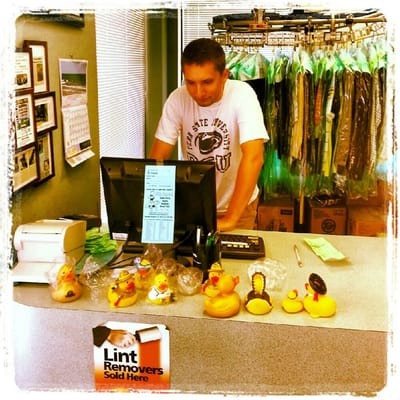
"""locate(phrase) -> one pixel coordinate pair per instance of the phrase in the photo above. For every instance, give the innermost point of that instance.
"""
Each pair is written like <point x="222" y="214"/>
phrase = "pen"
<point x="296" y="252"/>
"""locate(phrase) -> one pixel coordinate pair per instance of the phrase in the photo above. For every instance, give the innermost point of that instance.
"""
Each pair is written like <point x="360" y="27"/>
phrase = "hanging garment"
<point x="325" y="114"/>
<point x="254" y="66"/>
<point x="359" y="139"/>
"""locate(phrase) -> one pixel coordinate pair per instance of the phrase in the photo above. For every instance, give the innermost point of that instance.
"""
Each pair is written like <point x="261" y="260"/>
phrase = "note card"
<point x="159" y="204"/>
<point x="325" y="250"/>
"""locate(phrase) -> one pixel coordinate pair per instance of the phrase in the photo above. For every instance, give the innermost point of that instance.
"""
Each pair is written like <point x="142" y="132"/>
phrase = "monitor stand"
<point x="175" y="250"/>
<point x="132" y="247"/>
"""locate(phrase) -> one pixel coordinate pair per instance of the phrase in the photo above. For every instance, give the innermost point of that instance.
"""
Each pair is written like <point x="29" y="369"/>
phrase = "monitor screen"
<point x="124" y="189"/>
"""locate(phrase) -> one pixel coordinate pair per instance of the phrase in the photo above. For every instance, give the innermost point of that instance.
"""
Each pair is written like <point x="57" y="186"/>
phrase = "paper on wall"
<point x="75" y="116"/>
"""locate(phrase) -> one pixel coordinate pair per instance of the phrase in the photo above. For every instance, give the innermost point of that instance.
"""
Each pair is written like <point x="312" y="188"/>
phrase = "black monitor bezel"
<point x="195" y="178"/>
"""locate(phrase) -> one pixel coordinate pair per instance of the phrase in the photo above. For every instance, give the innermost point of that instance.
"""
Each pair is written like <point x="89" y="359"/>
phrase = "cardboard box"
<point x="276" y="215"/>
<point x="366" y="221"/>
<point x="380" y="199"/>
<point x="327" y="220"/>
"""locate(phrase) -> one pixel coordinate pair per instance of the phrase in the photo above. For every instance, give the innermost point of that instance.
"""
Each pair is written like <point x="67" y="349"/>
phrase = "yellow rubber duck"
<point x="316" y="302"/>
<point x="258" y="301"/>
<point x="209" y="287"/>
<point x="224" y="302"/>
<point x="67" y="287"/>
<point x="292" y="304"/>
<point x="122" y="292"/>
<point x="144" y="275"/>
<point x="160" y="293"/>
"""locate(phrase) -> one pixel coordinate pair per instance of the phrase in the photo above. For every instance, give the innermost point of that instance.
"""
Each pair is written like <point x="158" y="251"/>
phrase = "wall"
<point x="162" y="66"/>
<point x="71" y="190"/>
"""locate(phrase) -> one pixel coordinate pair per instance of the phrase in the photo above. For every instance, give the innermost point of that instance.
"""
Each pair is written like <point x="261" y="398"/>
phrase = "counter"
<point x="276" y="353"/>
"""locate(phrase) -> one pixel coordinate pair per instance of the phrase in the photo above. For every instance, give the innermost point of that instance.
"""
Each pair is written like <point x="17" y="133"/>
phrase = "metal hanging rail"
<point x="315" y="28"/>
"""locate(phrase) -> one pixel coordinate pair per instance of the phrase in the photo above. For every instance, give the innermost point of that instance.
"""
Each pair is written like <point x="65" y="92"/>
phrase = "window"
<point x="121" y="84"/>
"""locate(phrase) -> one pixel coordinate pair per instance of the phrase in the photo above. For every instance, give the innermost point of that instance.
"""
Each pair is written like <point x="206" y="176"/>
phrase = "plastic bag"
<point x="275" y="273"/>
<point x="63" y="282"/>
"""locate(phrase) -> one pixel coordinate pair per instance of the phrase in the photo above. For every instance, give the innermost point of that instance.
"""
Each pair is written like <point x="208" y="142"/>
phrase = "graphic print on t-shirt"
<point x="209" y="142"/>
<point x="206" y="142"/>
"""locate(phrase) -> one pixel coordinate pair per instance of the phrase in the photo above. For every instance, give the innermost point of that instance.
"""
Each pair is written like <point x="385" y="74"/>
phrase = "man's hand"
<point x="225" y="224"/>
<point x="121" y="338"/>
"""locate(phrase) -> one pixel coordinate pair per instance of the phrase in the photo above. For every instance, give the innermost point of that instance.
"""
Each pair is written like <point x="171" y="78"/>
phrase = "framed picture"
<point x="45" y="156"/>
<point x="25" y="127"/>
<point x="40" y="71"/>
<point x="25" y="168"/>
<point x="45" y="112"/>
<point x="23" y="69"/>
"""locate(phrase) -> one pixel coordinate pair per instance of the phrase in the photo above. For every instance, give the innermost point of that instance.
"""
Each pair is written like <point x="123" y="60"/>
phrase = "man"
<point x="217" y="120"/>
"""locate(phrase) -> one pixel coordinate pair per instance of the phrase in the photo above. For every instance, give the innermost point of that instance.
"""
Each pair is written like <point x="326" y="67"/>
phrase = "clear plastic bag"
<point x="275" y="273"/>
<point x="63" y="283"/>
<point x="189" y="280"/>
<point x="95" y="278"/>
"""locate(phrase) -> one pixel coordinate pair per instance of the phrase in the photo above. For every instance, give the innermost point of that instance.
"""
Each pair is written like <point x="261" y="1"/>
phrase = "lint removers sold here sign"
<point x="131" y="357"/>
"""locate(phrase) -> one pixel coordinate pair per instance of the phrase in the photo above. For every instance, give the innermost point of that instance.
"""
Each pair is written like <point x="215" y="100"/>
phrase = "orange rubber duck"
<point x="209" y="287"/>
<point x="67" y="287"/>
<point x="258" y="301"/>
<point x="160" y="293"/>
<point x="316" y="302"/>
<point x="224" y="301"/>
<point x="291" y="303"/>
<point x="122" y="292"/>
<point x="144" y="275"/>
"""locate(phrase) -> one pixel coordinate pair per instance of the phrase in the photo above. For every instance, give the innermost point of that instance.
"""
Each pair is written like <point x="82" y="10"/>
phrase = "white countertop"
<point x="358" y="284"/>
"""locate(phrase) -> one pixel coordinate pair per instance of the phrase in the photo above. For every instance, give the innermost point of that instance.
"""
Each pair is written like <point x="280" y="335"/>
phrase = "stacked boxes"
<point x="361" y="217"/>
<point x="325" y="219"/>
<point x="366" y="221"/>
<point x="368" y="217"/>
<point x="276" y="215"/>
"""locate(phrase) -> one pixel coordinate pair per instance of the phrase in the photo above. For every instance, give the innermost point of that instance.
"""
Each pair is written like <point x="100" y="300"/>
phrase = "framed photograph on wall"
<point x="25" y="168"/>
<point x="25" y="126"/>
<point x="45" y="156"/>
<point x="23" y="69"/>
<point x="40" y="70"/>
<point x="45" y="112"/>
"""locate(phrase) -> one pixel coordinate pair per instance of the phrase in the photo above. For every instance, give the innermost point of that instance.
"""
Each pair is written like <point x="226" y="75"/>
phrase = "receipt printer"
<point x="43" y="243"/>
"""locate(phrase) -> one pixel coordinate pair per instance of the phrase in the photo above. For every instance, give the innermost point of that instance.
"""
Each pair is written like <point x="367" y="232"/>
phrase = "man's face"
<point x="204" y="83"/>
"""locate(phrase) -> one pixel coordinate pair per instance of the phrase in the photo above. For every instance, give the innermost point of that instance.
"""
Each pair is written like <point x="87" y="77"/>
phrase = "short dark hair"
<point x="200" y="51"/>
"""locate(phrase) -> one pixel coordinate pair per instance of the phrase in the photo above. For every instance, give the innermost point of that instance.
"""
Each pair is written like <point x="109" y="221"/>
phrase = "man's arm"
<point x="161" y="150"/>
<point x="246" y="180"/>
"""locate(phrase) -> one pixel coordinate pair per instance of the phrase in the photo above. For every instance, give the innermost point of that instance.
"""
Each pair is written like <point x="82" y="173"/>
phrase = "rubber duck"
<point x="291" y="303"/>
<point x="224" y="302"/>
<point x="122" y="292"/>
<point x="316" y="302"/>
<point x="66" y="288"/>
<point x="144" y="275"/>
<point x="258" y="301"/>
<point x="209" y="287"/>
<point x="160" y="293"/>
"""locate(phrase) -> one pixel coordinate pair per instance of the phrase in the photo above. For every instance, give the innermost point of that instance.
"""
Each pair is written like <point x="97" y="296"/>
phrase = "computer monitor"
<point x="195" y="198"/>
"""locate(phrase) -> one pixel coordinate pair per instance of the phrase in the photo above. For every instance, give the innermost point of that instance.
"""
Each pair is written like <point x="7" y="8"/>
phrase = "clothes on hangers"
<point x="324" y="111"/>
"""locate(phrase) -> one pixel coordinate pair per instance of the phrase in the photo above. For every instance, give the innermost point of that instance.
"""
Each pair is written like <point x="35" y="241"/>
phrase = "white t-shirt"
<point x="215" y="133"/>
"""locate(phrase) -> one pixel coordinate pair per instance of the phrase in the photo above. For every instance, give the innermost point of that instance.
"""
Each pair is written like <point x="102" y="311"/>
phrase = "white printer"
<point x="44" y="244"/>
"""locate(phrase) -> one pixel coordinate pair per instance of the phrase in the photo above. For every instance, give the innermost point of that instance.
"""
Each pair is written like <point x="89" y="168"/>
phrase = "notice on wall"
<point x="75" y="116"/>
<point x="159" y="204"/>
<point x="131" y="356"/>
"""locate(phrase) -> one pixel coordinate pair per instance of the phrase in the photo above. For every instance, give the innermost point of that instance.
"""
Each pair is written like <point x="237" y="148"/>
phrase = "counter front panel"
<point x="272" y="353"/>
